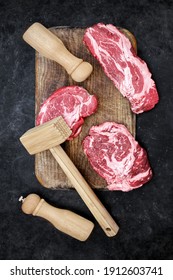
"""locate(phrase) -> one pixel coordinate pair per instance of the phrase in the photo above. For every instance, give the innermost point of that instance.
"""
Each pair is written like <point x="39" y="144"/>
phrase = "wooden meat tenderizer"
<point x="50" y="46"/>
<point x="49" y="136"/>
<point x="64" y="220"/>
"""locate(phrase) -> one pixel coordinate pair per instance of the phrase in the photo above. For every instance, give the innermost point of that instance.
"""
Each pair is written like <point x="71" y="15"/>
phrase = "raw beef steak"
<point x="120" y="63"/>
<point x="117" y="157"/>
<point x="73" y="103"/>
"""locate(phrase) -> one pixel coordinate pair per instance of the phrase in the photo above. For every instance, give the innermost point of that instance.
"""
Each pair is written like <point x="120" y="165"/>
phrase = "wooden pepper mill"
<point x="50" y="46"/>
<point x="64" y="220"/>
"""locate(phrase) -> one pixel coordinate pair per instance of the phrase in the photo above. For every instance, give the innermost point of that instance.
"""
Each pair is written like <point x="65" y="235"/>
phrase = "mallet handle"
<point x="86" y="193"/>
<point x="62" y="219"/>
<point x="50" y="46"/>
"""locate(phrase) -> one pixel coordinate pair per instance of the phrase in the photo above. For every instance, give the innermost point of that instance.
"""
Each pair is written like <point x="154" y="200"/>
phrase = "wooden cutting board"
<point x="112" y="106"/>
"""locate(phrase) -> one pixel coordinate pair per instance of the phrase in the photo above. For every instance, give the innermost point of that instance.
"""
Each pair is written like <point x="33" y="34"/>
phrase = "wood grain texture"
<point x="112" y="106"/>
<point x="62" y="219"/>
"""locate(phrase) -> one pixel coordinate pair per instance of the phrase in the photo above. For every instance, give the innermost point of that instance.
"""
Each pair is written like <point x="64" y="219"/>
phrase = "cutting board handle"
<point x="50" y="46"/>
<point x="85" y="191"/>
<point x="64" y="220"/>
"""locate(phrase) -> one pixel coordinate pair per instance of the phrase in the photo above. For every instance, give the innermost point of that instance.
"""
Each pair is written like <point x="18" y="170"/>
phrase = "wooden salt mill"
<point x="64" y="220"/>
<point x="50" y="46"/>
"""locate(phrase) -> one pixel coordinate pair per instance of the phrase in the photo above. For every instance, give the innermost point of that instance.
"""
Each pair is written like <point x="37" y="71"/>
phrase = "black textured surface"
<point x="144" y="215"/>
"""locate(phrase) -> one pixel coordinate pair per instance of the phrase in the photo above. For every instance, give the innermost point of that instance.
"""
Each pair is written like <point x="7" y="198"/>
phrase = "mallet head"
<point x="45" y="136"/>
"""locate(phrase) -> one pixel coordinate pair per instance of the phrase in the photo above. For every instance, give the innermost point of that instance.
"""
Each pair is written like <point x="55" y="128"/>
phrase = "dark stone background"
<point x="144" y="215"/>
